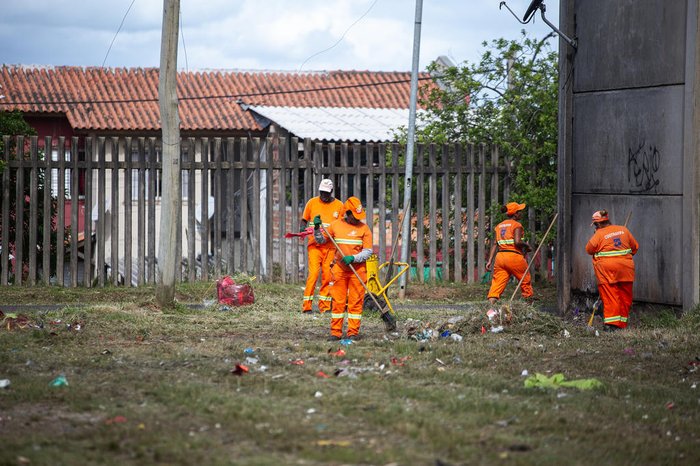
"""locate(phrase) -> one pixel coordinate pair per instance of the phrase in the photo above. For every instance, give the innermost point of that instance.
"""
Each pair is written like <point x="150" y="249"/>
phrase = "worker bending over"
<point x="612" y="248"/>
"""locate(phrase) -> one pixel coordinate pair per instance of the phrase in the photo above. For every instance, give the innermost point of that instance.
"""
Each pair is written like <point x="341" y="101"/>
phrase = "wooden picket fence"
<point x="90" y="207"/>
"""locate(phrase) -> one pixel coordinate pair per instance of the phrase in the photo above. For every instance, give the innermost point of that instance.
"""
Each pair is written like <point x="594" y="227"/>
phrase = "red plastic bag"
<point x="232" y="294"/>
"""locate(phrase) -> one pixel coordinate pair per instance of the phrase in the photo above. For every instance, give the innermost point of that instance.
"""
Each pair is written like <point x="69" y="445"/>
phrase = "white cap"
<point x="326" y="185"/>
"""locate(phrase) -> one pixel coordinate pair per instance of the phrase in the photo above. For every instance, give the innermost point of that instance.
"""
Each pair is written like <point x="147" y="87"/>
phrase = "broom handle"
<point x="383" y="311"/>
<point x="533" y="257"/>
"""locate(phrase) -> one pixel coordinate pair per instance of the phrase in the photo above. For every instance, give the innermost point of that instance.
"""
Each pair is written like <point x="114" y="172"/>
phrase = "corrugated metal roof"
<point x="337" y="124"/>
<point x="127" y="99"/>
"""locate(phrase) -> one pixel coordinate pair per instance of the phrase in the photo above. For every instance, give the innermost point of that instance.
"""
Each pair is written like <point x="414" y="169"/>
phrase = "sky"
<point x="285" y="35"/>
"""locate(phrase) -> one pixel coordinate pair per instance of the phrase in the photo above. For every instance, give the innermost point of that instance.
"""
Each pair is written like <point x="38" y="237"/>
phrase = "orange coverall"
<point x="612" y="248"/>
<point x="351" y="239"/>
<point x="320" y="255"/>
<point x="509" y="261"/>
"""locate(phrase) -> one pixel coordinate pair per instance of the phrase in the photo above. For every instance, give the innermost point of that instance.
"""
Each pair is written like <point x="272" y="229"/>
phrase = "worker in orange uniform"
<point x="612" y="248"/>
<point x="320" y="256"/>
<point x="509" y="251"/>
<point x="354" y="239"/>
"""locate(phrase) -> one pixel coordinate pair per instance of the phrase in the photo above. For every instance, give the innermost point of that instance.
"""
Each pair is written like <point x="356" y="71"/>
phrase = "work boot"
<point x="611" y="328"/>
<point x="355" y="337"/>
<point x="333" y="338"/>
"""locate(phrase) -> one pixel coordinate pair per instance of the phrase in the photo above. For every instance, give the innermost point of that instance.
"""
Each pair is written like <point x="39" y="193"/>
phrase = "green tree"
<point x="509" y="98"/>
<point x="13" y="124"/>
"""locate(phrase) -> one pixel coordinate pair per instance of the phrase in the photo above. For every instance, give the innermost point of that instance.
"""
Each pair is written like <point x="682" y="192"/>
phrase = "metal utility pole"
<point x="170" y="122"/>
<point x="406" y="229"/>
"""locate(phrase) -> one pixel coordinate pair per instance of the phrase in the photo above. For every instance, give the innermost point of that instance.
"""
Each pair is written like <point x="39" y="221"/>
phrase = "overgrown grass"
<point x="396" y="398"/>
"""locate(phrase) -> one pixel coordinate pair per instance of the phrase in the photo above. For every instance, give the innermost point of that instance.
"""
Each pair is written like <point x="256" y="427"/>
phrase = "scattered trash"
<point x="116" y="420"/>
<point x="491" y="314"/>
<point x="333" y="443"/>
<point x="524" y="373"/>
<point x="233" y="294"/>
<point x="456" y="337"/>
<point x="557" y="381"/>
<point x="340" y="353"/>
<point x="318" y="395"/>
<point x="670" y="405"/>
<point x="628" y="351"/>
<point x="240" y="369"/>
<point x="438" y="360"/>
<point x="249" y="351"/>
<point x="251" y="361"/>
<point x="497" y="329"/>
<point x="209" y="302"/>
<point x="322" y="374"/>
<point x="346" y="342"/>
<point x="400" y="362"/>
<point x="566" y="333"/>
<point x="445" y="334"/>
<point x="426" y="334"/>
<point x="59" y="381"/>
<point x="310" y="411"/>
<point x="297" y="362"/>
<point x="483" y="329"/>
<point x="106" y="351"/>
<point x="4" y="383"/>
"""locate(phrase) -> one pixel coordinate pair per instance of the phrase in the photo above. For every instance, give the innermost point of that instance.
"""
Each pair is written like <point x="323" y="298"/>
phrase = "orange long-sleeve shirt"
<point x="612" y="248"/>
<point x="329" y="212"/>
<point x="351" y="239"/>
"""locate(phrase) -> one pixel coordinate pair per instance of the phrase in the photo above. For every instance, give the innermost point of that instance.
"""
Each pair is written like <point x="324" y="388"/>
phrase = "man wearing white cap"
<point x="328" y="209"/>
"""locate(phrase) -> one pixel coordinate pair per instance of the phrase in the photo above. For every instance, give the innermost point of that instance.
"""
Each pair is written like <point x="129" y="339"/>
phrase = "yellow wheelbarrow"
<point x="374" y="285"/>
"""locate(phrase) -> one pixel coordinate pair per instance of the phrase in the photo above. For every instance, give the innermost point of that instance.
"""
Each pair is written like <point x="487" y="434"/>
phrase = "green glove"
<point x="317" y="221"/>
<point x="347" y="260"/>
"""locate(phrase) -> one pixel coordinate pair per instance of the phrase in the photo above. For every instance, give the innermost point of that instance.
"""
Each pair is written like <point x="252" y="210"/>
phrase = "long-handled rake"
<point x="507" y="310"/>
<point x="387" y="316"/>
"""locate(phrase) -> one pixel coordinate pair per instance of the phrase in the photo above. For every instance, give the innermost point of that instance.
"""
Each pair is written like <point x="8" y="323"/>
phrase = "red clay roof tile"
<point x="123" y="99"/>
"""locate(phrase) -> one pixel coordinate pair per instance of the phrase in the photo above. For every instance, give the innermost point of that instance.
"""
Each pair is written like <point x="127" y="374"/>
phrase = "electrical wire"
<point x="117" y="33"/>
<point x="341" y="37"/>
<point x="213" y="97"/>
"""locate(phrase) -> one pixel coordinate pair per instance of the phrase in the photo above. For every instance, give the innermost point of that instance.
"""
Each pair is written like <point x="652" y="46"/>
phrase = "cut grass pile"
<point x="146" y="386"/>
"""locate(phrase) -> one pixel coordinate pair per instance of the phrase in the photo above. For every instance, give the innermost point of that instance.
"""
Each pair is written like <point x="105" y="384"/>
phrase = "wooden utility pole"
<point x="170" y="122"/>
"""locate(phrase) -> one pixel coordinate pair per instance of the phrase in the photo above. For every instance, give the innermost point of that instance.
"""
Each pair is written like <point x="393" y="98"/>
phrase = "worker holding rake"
<point x="353" y="240"/>
<point x="509" y="251"/>
<point x="612" y="248"/>
<point x="320" y="256"/>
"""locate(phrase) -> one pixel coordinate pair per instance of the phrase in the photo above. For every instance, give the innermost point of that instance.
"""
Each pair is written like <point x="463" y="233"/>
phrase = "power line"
<point x="117" y="33"/>
<point x="341" y="37"/>
<point x="213" y="97"/>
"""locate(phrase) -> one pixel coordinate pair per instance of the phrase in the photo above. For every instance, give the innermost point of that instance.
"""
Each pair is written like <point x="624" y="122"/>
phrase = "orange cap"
<point x="599" y="217"/>
<point x="354" y="205"/>
<point x="514" y="207"/>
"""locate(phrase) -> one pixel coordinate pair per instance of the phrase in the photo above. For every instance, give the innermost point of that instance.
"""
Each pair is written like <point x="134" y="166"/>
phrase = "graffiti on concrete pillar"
<point x="643" y="165"/>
